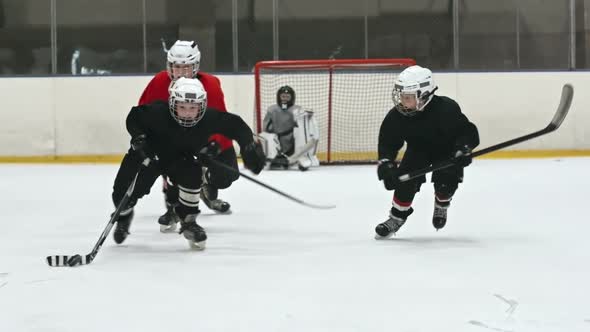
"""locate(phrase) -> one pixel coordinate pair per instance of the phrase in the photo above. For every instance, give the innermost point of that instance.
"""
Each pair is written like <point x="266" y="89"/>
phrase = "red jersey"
<point x="157" y="89"/>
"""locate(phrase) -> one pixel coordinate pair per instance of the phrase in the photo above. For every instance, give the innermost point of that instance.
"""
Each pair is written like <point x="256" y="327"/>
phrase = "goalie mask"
<point x="285" y="97"/>
<point x="188" y="101"/>
<point x="413" y="90"/>
<point x="183" y="59"/>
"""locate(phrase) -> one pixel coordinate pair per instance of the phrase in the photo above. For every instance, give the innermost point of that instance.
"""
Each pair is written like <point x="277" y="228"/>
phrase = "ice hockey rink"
<point x="513" y="257"/>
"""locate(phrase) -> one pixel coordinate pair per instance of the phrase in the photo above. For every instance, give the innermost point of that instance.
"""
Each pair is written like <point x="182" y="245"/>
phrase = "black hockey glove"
<point x="140" y="146"/>
<point x="208" y="152"/>
<point x="462" y="155"/>
<point x="389" y="173"/>
<point x="254" y="157"/>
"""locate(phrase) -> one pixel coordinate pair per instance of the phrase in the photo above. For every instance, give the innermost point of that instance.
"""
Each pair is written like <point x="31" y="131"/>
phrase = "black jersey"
<point x="436" y="130"/>
<point x="170" y="141"/>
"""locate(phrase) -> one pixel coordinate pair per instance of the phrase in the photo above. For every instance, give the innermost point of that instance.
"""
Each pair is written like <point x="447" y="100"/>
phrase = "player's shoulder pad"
<point x="450" y="102"/>
<point x="163" y="73"/>
<point x="153" y="106"/>
<point x="159" y="77"/>
<point x="203" y="76"/>
<point x="392" y="113"/>
<point x="211" y="112"/>
<point x="446" y="105"/>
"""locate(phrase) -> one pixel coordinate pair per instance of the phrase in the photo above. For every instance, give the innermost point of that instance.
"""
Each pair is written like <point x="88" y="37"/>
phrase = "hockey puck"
<point x="74" y="260"/>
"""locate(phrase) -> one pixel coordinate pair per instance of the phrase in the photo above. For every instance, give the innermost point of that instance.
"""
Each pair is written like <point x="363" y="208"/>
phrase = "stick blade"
<point x="57" y="260"/>
<point x="567" y="95"/>
<point x="62" y="260"/>
<point x="318" y="206"/>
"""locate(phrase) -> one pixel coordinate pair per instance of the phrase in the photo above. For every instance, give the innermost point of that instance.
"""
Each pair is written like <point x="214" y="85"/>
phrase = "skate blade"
<point x="379" y="237"/>
<point x="228" y="211"/>
<point x="197" y="245"/>
<point x="168" y="228"/>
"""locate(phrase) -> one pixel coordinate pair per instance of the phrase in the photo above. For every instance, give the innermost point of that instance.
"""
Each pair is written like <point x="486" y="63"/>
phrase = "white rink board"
<point x="85" y="115"/>
<point x="27" y="118"/>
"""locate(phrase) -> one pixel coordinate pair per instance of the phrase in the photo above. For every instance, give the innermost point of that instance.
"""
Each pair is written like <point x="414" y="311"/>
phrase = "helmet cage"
<point x="422" y="96"/>
<point x="177" y="96"/>
<point x="286" y="90"/>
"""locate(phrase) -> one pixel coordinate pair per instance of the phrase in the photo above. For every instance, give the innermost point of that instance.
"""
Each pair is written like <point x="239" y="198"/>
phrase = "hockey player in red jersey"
<point x="183" y="60"/>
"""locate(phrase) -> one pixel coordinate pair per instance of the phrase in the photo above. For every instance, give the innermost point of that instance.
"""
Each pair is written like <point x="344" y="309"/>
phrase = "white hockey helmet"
<point x="191" y="91"/>
<point x="416" y="81"/>
<point x="184" y="52"/>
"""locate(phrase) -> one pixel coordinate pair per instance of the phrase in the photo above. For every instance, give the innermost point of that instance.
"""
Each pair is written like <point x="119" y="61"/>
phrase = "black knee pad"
<point x="185" y="173"/>
<point x="127" y="171"/>
<point x="118" y="197"/>
<point x="220" y="177"/>
<point x="187" y="178"/>
<point x="448" y="175"/>
<point x="446" y="189"/>
<point x="406" y="191"/>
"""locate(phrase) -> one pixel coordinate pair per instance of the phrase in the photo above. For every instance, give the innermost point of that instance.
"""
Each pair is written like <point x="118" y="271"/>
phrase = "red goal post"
<point x="349" y="98"/>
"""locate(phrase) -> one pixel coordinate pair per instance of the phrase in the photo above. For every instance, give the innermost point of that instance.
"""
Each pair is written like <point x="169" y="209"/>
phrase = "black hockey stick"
<point x="567" y="93"/>
<point x="294" y="199"/>
<point x="64" y="260"/>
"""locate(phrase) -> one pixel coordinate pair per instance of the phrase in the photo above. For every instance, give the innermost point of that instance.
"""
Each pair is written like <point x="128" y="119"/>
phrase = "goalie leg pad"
<point x="306" y="130"/>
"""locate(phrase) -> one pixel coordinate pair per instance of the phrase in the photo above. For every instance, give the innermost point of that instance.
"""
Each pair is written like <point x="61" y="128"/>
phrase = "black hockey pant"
<point x="218" y="177"/>
<point x="446" y="181"/>
<point x="184" y="173"/>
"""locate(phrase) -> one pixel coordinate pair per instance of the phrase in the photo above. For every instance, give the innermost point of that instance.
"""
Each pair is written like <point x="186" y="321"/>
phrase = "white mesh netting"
<point x="349" y="99"/>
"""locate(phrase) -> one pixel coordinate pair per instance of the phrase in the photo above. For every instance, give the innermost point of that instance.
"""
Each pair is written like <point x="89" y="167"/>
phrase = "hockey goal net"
<point x="349" y="99"/>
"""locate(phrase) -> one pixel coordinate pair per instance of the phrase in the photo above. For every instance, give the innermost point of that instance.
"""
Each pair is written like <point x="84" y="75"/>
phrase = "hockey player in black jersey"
<point x="174" y="136"/>
<point x="435" y="130"/>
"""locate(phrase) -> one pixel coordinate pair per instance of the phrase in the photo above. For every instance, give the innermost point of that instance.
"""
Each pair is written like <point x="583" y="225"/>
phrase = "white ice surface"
<point x="515" y="255"/>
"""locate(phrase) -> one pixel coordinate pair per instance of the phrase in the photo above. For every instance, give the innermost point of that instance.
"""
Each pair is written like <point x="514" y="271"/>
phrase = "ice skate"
<point x="194" y="233"/>
<point x="122" y="227"/>
<point x="169" y="220"/>
<point x="209" y="196"/>
<point x="439" y="217"/>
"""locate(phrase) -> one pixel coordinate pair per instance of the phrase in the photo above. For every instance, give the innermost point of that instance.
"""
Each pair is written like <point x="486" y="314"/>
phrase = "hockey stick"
<point x="567" y="93"/>
<point x="294" y="199"/>
<point x="64" y="260"/>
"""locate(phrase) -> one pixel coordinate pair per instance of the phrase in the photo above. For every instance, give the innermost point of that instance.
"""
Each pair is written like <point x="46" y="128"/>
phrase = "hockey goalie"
<point x="290" y="133"/>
